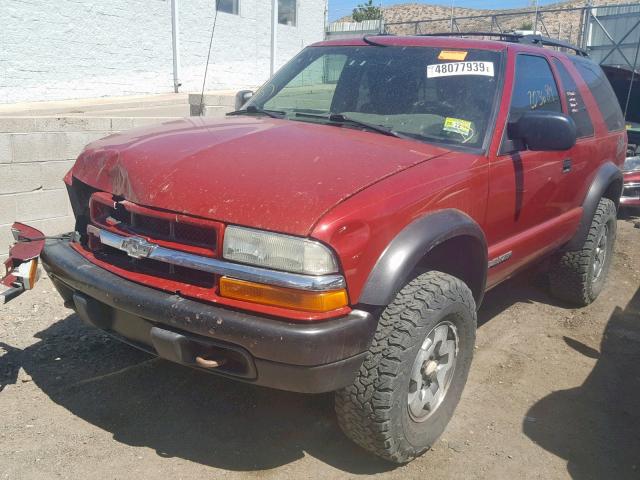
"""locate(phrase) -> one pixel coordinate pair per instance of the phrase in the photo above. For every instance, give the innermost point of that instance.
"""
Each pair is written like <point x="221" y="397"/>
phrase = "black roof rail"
<point x="514" y="38"/>
<point x="366" y="39"/>
<point x="552" y="42"/>
<point x="504" y="36"/>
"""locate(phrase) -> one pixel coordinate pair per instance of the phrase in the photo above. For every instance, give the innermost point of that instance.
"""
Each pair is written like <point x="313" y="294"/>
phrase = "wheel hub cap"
<point x="430" y="368"/>
<point x="432" y="371"/>
<point x="600" y="254"/>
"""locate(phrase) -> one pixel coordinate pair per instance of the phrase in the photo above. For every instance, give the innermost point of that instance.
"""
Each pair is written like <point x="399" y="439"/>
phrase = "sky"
<point x="340" y="8"/>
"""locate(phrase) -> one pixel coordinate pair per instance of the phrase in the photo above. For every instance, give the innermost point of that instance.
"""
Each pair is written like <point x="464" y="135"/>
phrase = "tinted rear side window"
<point x="601" y="90"/>
<point x="577" y="109"/>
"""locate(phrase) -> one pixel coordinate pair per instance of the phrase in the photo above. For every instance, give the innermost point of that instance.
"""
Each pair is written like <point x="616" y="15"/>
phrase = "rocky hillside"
<point x="565" y="25"/>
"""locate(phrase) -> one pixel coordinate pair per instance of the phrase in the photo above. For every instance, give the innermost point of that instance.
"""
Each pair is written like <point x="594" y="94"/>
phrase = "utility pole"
<point x="452" y="2"/>
<point x="326" y="18"/>
<point x="175" y="45"/>
<point x="274" y="36"/>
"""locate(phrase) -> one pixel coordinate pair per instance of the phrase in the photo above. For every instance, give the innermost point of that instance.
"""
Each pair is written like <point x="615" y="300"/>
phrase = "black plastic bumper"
<point x="304" y="357"/>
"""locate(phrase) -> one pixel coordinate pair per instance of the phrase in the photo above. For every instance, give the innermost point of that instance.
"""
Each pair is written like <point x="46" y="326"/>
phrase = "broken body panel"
<point x="21" y="268"/>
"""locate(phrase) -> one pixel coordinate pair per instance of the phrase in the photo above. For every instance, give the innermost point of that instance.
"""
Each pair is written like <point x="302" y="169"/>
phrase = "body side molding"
<point x="412" y="244"/>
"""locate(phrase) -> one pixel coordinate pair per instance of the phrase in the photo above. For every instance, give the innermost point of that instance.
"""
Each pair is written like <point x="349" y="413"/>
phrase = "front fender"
<point x="401" y="257"/>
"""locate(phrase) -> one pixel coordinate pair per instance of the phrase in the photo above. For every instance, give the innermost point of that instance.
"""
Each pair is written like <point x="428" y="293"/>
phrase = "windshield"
<point x="431" y="94"/>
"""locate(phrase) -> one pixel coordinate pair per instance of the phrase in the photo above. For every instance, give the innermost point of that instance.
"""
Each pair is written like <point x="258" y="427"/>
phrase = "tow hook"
<point x="209" y="363"/>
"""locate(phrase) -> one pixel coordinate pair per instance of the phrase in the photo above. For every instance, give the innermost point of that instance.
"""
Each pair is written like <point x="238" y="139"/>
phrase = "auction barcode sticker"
<point x="460" y="68"/>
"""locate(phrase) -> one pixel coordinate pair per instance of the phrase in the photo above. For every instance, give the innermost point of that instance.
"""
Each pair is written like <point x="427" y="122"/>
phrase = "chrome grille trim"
<point x="628" y="191"/>
<point x="241" y="272"/>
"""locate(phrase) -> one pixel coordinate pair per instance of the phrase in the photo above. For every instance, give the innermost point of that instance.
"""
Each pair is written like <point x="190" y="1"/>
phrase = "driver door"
<point x="526" y="214"/>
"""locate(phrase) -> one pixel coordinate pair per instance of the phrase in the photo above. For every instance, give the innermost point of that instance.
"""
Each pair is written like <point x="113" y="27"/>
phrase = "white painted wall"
<point x="35" y="153"/>
<point x="92" y="48"/>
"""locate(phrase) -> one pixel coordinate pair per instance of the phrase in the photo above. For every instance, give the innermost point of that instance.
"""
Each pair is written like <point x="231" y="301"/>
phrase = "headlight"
<point x="631" y="164"/>
<point x="277" y="251"/>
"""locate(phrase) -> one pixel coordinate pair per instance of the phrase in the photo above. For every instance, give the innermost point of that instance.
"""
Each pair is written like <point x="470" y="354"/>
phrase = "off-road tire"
<point x="571" y="277"/>
<point x="373" y="411"/>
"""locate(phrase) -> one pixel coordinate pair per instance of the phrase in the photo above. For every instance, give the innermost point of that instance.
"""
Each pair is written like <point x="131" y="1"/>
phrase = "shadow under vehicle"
<point x="596" y="426"/>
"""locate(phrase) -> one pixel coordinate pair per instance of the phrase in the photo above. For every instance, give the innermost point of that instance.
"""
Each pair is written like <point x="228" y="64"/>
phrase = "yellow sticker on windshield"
<point x="457" y="125"/>
<point x="452" y="55"/>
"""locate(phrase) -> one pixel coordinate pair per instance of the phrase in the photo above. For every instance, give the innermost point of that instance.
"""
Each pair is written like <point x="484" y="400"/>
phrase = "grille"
<point x="157" y="269"/>
<point x="151" y="226"/>
<point x="632" y="191"/>
<point x="171" y="230"/>
<point x="175" y="230"/>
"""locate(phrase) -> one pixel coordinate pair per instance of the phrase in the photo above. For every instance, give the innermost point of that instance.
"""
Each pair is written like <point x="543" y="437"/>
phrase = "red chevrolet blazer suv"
<point x="338" y="230"/>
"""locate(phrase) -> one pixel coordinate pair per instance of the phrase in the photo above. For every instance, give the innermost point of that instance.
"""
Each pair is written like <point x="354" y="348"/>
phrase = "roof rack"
<point x="514" y="38"/>
<point x="366" y="39"/>
<point x="509" y="37"/>
<point x="552" y="42"/>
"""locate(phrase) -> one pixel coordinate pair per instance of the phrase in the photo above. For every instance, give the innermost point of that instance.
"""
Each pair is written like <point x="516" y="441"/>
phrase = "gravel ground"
<point x="553" y="393"/>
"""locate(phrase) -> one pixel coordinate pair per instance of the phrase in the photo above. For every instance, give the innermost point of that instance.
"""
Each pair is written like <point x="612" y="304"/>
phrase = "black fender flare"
<point x="396" y="263"/>
<point x="607" y="175"/>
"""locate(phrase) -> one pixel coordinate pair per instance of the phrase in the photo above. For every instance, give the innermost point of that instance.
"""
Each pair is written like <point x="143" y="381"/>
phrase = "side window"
<point x="601" y="90"/>
<point x="534" y="87"/>
<point x="577" y="109"/>
<point x="287" y="12"/>
<point x="228" y="6"/>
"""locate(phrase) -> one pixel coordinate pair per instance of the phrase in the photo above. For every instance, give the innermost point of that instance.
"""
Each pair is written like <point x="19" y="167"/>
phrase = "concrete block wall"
<point x="81" y="48"/>
<point x="215" y="105"/>
<point x="35" y="154"/>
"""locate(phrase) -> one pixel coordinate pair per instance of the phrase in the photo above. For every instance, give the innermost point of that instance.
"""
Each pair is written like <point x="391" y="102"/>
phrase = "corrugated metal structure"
<point x="612" y="38"/>
<point x="338" y="30"/>
<point x="613" y="34"/>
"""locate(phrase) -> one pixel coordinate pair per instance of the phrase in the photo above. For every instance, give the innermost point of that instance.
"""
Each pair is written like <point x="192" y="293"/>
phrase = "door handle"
<point x="566" y="165"/>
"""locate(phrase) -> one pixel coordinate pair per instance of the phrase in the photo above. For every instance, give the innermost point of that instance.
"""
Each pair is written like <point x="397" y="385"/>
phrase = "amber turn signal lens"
<point x="283" y="297"/>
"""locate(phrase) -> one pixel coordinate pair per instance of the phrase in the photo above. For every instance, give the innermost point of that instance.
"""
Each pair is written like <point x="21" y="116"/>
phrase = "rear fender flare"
<point x="607" y="183"/>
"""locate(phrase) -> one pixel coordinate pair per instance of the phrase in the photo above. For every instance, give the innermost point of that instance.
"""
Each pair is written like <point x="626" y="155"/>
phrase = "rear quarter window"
<point x="601" y="90"/>
<point x="575" y="104"/>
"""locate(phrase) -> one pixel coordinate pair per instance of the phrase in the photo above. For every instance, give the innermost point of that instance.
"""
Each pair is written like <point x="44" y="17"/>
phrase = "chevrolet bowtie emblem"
<point x="137" y="247"/>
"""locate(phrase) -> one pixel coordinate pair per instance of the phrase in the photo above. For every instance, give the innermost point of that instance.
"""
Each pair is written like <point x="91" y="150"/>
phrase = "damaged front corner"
<point x="21" y="268"/>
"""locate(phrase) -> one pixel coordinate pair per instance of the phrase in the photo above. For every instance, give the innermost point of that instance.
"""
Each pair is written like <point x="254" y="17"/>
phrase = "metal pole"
<point x="585" y="26"/>
<point x="560" y="30"/>
<point x="633" y="75"/>
<point x="535" y="24"/>
<point x="571" y="33"/>
<point x="452" y="1"/>
<point x="175" y="45"/>
<point x="326" y="19"/>
<point x="274" y="36"/>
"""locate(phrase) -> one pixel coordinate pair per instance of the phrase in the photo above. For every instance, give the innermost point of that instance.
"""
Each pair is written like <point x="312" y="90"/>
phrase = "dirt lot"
<point x="553" y="393"/>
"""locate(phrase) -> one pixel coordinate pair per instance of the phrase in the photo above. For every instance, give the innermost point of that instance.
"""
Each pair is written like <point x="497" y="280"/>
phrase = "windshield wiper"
<point x="252" y="110"/>
<point x="342" y="119"/>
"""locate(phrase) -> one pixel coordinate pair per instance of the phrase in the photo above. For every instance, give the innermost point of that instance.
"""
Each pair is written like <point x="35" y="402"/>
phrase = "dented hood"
<point x="265" y="173"/>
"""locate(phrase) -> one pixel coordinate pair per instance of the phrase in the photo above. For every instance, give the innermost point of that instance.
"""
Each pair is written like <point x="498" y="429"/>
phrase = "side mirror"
<point x="242" y="97"/>
<point x="544" y="131"/>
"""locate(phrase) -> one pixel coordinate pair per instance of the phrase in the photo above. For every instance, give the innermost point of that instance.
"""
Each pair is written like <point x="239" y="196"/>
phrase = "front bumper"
<point x="303" y="357"/>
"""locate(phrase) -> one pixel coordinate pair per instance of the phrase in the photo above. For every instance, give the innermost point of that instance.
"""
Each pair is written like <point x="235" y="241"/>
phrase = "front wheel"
<point x="414" y="373"/>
